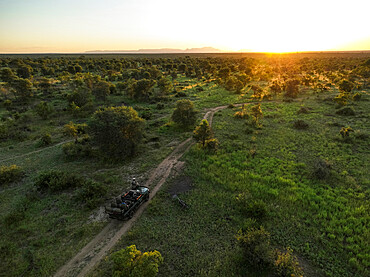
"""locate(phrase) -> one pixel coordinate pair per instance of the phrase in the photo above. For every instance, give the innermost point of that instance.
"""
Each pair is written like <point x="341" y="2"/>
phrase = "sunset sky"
<point x="32" y="26"/>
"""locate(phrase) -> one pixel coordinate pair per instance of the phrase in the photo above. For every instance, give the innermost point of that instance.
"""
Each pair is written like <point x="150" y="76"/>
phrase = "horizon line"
<point x="135" y="52"/>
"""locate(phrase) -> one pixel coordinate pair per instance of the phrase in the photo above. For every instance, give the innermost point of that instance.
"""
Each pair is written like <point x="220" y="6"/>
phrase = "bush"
<point x="45" y="140"/>
<point x="91" y="193"/>
<point x="322" y="169"/>
<point x="44" y="110"/>
<point x="79" y="148"/>
<point x="356" y="96"/>
<point x="300" y="124"/>
<point x="251" y="207"/>
<point x="346" y="111"/>
<point x="255" y="244"/>
<point x="9" y="174"/>
<point x="184" y="113"/>
<point x="55" y="180"/>
<point x="243" y="113"/>
<point x="286" y="264"/>
<point x="203" y="132"/>
<point x="130" y="262"/>
<point x="345" y="131"/>
<point x="212" y="144"/>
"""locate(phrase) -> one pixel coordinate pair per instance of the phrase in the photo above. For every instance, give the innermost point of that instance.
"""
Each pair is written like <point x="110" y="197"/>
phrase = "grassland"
<point x="313" y="184"/>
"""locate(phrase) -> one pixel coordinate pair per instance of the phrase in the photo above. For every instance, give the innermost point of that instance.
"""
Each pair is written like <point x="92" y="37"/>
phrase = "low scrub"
<point x="322" y="169"/>
<point x="9" y="174"/>
<point x="347" y="111"/>
<point x="91" y="193"/>
<point x="55" y="180"/>
<point x="286" y="264"/>
<point x="255" y="244"/>
<point x="300" y="124"/>
<point x="130" y="262"/>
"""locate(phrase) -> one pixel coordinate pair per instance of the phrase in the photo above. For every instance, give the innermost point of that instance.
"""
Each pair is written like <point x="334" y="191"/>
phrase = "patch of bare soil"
<point x="180" y="185"/>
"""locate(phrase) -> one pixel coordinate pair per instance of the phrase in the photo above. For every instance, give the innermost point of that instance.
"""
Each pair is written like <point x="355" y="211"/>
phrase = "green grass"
<point x="325" y="222"/>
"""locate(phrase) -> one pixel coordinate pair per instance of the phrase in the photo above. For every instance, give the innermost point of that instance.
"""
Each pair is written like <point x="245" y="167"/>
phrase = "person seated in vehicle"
<point x="134" y="184"/>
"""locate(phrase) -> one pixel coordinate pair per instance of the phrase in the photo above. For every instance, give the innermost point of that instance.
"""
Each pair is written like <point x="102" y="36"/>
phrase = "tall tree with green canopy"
<point x="117" y="131"/>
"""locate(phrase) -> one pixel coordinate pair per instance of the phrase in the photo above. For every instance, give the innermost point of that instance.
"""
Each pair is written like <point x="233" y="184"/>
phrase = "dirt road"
<point x="99" y="247"/>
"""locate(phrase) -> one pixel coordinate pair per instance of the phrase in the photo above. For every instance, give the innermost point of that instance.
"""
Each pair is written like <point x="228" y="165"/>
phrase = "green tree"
<point x="80" y="97"/>
<point x="203" y="132"/>
<point x="101" y="90"/>
<point x="117" y="131"/>
<point x="130" y="262"/>
<point x="346" y="86"/>
<point x="292" y="88"/>
<point x="25" y="71"/>
<point x="184" y="113"/>
<point x="7" y="75"/>
<point x="165" y="86"/>
<point x="23" y="88"/>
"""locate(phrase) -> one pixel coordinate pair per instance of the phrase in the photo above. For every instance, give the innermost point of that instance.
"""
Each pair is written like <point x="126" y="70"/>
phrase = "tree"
<point x="24" y="71"/>
<point x="165" y="86"/>
<point x="7" y="75"/>
<point x="184" y="113"/>
<point x="292" y="88"/>
<point x="23" y="88"/>
<point x="346" y="86"/>
<point x="80" y="97"/>
<point x="117" y="131"/>
<point x="142" y="88"/>
<point x="203" y="132"/>
<point x="101" y="90"/>
<point x="130" y="262"/>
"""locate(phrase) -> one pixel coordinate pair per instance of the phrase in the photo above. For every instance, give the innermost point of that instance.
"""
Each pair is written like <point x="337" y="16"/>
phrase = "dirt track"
<point x="99" y="247"/>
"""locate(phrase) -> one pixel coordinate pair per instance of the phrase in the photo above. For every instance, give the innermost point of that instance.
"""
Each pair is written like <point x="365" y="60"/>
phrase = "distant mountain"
<point x="162" y="50"/>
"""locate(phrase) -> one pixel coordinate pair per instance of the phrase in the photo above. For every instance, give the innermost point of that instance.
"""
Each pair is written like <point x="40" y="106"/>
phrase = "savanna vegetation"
<point x="280" y="181"/>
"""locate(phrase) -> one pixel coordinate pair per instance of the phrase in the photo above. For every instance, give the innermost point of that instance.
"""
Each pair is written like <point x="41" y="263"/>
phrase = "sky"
<point x="62" y="26"/>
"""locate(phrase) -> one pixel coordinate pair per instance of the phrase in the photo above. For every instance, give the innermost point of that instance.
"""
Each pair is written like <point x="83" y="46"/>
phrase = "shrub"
<point x="91" y="193"/>
<point x="203" y="132"/>
<point x="255" y="244"/>
<point x="292" y="88"/>
<point x="322" y="169"/>
<point x="243" y="113"/>
<point x="286" y="264"/>
<point x="45" y="139"/>
<point x="300" y="124"/>
<point x="341" y="99"/>
<point x="55" y="180"/>
<point x="79" y="148"/>
<point x="356" y="96"/>
<point x="303" y="110"/>
<point x="212" y="144"/>
<point x="184" y="113"/>
<point x="256" y="113"/>
<point x="346" y="111"/>
<point x="250" y="207"/>
<point x="130" y="262"/>
<point x="44" y="109"/>
<point x="345" y="131"/>
<point x="9" y="174"/>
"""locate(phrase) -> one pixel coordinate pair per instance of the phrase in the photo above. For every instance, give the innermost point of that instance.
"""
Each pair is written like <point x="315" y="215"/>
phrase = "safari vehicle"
<point x="124" y="206"/>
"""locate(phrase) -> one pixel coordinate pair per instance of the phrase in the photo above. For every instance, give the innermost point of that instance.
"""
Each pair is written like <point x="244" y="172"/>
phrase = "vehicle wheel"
<point x="146" y="198"/>
<point x="131" y="214"/>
